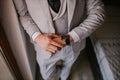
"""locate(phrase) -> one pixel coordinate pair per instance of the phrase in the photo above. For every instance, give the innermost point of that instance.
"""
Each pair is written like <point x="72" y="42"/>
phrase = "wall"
<point x="17" y="39"/>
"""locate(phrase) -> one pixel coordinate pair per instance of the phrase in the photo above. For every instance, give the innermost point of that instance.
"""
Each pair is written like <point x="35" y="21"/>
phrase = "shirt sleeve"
<point x="35" y="35"/>
<point x="74" y="35"/>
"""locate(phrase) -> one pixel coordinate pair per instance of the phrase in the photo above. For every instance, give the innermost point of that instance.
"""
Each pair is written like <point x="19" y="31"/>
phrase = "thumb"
<point x="55" y="36"/>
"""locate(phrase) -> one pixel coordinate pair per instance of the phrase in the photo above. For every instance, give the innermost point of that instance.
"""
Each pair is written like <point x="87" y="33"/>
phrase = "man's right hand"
<point x="47" y="42"/>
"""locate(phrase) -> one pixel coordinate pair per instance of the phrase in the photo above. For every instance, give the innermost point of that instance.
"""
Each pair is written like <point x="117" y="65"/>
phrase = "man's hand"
<point x="59" y="40"/>
<point x="70" y="38"/>
<point x="50" y="42"/>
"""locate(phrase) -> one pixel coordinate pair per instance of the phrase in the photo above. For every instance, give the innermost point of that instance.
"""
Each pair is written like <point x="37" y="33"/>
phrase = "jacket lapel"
<point x="70" y="7"/>
<point x="45" y="7"/>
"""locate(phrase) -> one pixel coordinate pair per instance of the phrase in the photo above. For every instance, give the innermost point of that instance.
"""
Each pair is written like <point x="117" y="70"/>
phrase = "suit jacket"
<point x="84" y="17"/>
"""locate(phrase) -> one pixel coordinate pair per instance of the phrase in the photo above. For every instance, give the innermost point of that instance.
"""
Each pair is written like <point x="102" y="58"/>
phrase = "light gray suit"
<point x="84" y="17"/>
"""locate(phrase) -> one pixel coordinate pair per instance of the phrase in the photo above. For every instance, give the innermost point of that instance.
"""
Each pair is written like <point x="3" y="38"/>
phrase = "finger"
<point x="53" y="47"/>
<point x="50" y="51"/>
<point x="58" y="40"/>
<point x="55" y="36"/>
<point x="56" y="44"/>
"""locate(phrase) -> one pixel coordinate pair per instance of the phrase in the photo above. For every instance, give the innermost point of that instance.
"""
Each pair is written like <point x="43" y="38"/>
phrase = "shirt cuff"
<point x="74" y="35"/>
<point x="35" y="35"/>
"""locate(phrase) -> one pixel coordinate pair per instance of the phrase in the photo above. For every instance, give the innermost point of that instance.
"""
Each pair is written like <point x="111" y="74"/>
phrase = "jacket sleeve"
<point x="25" y="18"/>
<point x="95" y="17"/>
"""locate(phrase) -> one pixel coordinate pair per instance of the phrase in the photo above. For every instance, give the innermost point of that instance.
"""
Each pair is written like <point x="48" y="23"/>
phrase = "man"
<point x="58" y="29"/>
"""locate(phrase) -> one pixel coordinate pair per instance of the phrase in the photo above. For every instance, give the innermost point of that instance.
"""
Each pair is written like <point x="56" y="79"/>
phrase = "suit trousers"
<point x="48" y="63"/>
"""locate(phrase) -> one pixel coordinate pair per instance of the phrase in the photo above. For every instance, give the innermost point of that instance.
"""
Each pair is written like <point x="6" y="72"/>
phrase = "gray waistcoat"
<point x="60" y="19"/>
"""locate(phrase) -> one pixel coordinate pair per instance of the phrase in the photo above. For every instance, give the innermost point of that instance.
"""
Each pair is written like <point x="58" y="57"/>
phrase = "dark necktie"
<point x="55" y="5"/>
